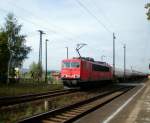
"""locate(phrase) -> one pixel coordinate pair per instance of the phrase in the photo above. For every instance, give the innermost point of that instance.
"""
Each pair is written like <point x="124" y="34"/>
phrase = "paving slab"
<point x="137" y="110"/>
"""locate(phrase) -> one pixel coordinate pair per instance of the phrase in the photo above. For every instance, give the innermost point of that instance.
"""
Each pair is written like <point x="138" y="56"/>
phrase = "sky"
<point x="69" y="22"/>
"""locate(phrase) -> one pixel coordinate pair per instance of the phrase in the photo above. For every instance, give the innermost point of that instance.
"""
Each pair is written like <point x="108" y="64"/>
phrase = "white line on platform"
<point x="131" y="84"/>
<point x="122" y="106"/>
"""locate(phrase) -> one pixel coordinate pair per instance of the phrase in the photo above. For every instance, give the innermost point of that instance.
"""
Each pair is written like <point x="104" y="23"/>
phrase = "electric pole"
<point x="114" y="55"/>
<point x="46" y="60"/>
<point x="102" y="57"/>
<point x="10" y="43"/>
<point x="67" y="52"/>
<point x="40" y="47"/>
<point x="131" y="69"/>
<point x="124" y="61"/>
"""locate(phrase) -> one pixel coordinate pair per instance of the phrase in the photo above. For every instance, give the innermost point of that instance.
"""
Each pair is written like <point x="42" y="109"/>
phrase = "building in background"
<point x="55" y="74"/>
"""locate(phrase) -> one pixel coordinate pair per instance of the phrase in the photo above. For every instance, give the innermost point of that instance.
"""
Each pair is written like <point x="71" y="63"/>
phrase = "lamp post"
<point x="46" y="60"/>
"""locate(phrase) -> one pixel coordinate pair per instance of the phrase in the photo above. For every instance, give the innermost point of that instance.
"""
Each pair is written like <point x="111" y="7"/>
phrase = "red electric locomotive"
<point x="84" y="71"/>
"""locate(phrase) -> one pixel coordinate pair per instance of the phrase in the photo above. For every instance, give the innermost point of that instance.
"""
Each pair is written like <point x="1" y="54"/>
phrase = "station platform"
<point x="133" y="107"/>
<point x="138" y="111"/>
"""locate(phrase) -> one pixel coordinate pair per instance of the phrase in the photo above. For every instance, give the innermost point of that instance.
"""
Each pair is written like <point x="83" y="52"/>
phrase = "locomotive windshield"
<point x="75" y="64"/>
<point x="66" y="64"/>
<point x="70" y="65"/>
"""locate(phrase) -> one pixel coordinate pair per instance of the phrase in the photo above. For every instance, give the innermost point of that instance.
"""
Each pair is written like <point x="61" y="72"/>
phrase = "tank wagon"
<point x="86" y="71"/>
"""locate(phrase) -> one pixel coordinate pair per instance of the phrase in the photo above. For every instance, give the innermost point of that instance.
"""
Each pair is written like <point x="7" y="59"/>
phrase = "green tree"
<point x="14" y="43"/>
<point x="36" y="70"/>
<point x="147" y="6"/>
<point x="4" y="56"/>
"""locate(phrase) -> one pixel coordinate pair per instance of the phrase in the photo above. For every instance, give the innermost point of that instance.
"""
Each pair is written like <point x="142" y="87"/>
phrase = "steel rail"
<point x="6" y="101"/>
<point x="74" y="111"/>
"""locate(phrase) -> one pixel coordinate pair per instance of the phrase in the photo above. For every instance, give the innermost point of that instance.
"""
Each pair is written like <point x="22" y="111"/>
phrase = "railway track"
<point x="6" y="101"/>
<point x="74" y="111"/>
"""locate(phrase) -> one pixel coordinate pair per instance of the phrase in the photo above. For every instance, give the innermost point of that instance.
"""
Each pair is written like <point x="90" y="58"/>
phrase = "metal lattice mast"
<point x="40" y="47"/>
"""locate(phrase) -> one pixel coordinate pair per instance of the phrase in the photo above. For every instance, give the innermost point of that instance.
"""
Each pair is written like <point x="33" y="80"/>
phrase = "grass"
<point x="27" y="88"/>
<point x="15" y="113"/>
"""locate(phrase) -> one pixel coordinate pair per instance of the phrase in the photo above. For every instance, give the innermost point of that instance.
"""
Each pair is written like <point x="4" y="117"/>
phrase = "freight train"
<point x="85" y="71"/>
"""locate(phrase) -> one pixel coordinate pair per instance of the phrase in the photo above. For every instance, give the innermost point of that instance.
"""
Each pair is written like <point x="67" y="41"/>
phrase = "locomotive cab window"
<point x="75" y="64"/>
<point x="70" y="65"/>
<point x="65" y="64"/>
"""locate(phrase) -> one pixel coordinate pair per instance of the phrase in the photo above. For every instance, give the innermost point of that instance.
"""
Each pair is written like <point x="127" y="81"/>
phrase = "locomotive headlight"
<point x="64" y="76"/>
<point x="77" y="76"/>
